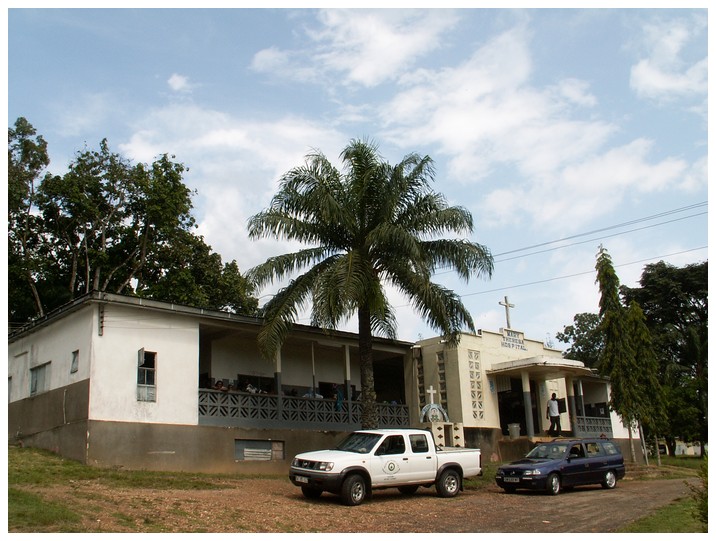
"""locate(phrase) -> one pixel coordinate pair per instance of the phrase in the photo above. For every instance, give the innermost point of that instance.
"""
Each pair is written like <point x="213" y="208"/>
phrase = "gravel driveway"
<point x="275" y="505"/>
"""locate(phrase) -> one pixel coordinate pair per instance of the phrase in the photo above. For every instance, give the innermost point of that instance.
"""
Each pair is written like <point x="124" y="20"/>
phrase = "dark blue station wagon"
<point x="560" y="463"/>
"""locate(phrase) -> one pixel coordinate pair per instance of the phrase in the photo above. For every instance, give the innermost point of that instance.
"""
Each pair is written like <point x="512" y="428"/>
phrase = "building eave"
<point x="540" y="365"/>
<point x="337" y="338"/>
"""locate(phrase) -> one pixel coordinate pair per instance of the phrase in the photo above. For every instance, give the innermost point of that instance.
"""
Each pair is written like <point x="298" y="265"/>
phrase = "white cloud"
<point x="488" y="121"/>
<point x="366" y="47"/>
<point x="179" y="83"/>
<point x="667" y="71"/>
<point x="234" y="165"/>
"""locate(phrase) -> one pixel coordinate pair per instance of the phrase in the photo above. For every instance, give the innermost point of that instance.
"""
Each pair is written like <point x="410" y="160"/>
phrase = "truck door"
<point x="421" y="463"/>
<point x="389" y="465"/>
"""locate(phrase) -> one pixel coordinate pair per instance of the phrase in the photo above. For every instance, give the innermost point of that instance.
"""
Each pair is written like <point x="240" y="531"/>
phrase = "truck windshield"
<point x="359" y="442"/>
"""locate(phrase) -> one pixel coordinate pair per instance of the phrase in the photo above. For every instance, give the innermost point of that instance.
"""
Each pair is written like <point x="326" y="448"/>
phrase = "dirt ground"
<point x="275" y="505"/>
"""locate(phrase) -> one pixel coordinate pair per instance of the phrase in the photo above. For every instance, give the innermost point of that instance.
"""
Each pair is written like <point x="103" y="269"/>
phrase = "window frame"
<point x="39" y="385"/>
<point x="146" y="390"/>
<point x="75" y="362"/>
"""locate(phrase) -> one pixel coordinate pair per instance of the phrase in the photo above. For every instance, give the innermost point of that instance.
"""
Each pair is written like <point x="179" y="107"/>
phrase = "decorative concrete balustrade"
<point x="250" y="410"/>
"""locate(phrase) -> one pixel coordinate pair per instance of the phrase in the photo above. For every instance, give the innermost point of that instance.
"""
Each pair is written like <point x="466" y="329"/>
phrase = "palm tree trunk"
<point x="369" y="418"/>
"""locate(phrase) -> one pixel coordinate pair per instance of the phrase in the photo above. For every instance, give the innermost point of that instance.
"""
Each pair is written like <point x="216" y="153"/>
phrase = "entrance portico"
<point x="540" y="370"/>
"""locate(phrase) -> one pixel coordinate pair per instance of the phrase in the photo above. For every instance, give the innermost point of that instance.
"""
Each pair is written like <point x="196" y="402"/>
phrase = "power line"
<point x="446" y="270"/>
<point x="555" y="278"/>
<point x="608" y="228"/>
<point x="595" y="238"/>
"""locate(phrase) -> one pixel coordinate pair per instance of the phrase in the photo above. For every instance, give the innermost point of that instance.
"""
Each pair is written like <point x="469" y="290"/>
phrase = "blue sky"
<point x="559" y="129"/>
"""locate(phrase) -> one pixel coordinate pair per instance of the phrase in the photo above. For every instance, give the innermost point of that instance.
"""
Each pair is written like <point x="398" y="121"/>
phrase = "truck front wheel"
<point x="353" y="490"/>
<point x="448" y="484"/>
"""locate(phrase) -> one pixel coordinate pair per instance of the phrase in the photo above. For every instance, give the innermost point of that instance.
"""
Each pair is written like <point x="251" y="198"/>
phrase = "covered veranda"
<point x="530" y="376"/>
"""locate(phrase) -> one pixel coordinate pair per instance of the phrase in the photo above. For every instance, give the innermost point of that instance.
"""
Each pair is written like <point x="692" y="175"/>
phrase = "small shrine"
<point x="434" y="417"/>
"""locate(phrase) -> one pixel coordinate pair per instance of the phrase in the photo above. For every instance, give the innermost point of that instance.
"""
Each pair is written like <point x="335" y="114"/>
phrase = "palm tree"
<point x="370" y="225"/>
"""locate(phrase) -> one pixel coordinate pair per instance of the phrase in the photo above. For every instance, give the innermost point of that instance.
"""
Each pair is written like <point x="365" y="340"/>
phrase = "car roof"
<point x="576" y="440"/>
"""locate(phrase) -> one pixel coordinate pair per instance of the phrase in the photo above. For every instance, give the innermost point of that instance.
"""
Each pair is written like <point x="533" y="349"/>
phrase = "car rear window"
<point x="610" y="448"/>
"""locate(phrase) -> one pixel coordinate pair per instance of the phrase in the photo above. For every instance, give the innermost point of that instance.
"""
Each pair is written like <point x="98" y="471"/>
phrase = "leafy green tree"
<point x="27" y="159"/>
<point x="370" y="225"/>
<point x="105" y="215"/>
<point x="107" y="225"/>
<point x="585" y="338"/>
<point x="675" y="303"/>
<point x="650" y="409"/>
<point x="189" y="272"/>
<point x="618" y="360"/>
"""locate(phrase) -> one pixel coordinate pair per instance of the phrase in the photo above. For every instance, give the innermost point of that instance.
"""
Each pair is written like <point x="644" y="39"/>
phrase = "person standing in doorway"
<point x="555" y="424"/>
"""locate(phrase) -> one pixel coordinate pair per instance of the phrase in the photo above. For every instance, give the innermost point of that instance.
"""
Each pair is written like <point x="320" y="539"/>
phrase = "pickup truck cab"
<point x="369" y="460"/>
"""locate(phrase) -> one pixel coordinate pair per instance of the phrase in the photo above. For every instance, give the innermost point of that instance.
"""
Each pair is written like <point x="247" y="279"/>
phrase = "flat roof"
<point x="541" y="365"/>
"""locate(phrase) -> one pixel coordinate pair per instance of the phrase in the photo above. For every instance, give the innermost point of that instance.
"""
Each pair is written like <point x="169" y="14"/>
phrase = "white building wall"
<point x="488" y="348"/>
<point x="113" y="390"/>
<point x="232" y="354"/>
<point x="53" y="344"/>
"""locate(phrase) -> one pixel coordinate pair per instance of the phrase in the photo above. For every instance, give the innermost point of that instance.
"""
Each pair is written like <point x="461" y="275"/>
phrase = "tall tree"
<point x="650" y="405"/>
<point x="370" y="225"/>
<point x="675" y="303"/>
<point x="618" y="360"/>
<point x="27" y="159"/>
<point x="585" y="338"/>
<point x="105" y="214"/>
<point x="107" y="225"/>
<point x="189" y="272"/>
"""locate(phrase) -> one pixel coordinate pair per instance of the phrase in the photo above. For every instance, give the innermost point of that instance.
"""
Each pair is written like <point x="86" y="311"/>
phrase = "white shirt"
<point x="553" y="407"/>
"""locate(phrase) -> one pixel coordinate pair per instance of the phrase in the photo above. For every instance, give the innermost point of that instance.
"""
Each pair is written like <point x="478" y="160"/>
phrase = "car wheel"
<point x="311" y="493"/>
<point x="408" y="489"/>
<point x="449" y="484"/>
<point x="554" y="484"/>
<point x="353" y="491"/>
<point x="610" y="479"/>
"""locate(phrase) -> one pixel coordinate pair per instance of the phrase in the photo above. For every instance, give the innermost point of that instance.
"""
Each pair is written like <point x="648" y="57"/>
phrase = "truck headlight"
<point x="528" y="473"/>
<point x="325" y="466"/>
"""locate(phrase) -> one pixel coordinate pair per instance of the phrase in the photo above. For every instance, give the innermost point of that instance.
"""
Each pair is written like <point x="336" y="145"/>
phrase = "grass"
<point x="677" y="517"/>
<point x="27" y="466"/>
<point x="487" y="478"/>
<point x="25" y="508"/>
<point x="29" y="469"/>
<point x="681" y="461"/>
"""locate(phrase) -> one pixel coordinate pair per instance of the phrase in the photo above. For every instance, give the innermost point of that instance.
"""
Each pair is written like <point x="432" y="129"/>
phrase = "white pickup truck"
<point x="368" y="460"/>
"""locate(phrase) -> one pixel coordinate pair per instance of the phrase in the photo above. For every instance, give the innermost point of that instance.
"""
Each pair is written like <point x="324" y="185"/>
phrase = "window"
<point x="146" y="376"/>
<point x="419" y="443"/>
<point x="576" y="451"/>
<point x="75" y="361"/>
<point x="392" y="445"/>
<point x="593" y="449"/>
<point x="251" y="450"/>
<point x="610" y="448"/>
<point x="39" y="378"/>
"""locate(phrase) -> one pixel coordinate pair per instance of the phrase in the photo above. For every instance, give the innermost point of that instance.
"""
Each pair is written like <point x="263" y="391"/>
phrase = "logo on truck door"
<point x="391" y="467"/>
